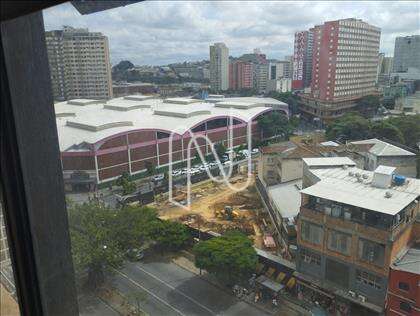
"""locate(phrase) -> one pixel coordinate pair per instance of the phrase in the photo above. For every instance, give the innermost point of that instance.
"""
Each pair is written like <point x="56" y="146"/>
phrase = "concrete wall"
<point x="292" y="169"/>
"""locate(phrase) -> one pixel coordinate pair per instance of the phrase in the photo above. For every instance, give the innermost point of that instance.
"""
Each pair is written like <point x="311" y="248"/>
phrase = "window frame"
<point x="31" y="173"/>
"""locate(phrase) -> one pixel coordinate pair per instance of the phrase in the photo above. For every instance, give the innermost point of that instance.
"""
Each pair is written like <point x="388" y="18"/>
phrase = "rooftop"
<point x="328" y="161"/>
<point x="344" y="186"/>
<point x="286" y="197"/>
<point x="381" y="148"/>
<point x="409" y="262"/>
<point x="93" y="120"/>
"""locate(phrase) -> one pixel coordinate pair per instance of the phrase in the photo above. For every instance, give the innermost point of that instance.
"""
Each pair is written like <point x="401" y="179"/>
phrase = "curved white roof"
<point x="95" y="122"/>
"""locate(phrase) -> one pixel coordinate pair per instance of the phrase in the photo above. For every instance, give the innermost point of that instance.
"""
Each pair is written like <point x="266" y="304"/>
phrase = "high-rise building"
<point x="79" y="64"/>
<point x="219" y="67"/>
<point x="407" y="53"/>
<point x="302" y="60"/>
<point x="279" y="69"/>
<point x="260" y="69"/>
<point x="240" y="75"/>
<point x="384" y="69"/>
<point x="344" y="66"/>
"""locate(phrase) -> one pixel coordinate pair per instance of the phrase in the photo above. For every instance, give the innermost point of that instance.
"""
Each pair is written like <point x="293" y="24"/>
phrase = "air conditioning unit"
<point x="352" y="294"/>
<point x="362" y="298"/>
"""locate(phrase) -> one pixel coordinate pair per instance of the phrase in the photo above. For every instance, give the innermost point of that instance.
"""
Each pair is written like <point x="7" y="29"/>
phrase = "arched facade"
<point x="132" y="151"/>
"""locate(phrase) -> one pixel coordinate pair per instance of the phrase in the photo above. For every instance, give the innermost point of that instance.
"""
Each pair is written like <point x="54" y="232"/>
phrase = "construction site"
<point x="216" y="208"/>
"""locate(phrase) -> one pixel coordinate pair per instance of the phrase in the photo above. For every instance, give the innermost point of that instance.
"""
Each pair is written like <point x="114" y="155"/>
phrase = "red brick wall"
<point x="115" y="142"/>
<point x="78" y="162"/>
<point x="108" y="160"/>
<point x="140" y="165"/>
<point x="141" y="136"/>
<point x="143" y="152"/>
<point x="112" y="172"/>
<point x="396" y="295"/>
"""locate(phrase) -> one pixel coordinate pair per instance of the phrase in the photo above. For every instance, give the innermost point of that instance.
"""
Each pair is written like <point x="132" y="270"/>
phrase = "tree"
<point x="275" y="124"/>
<point x="220" y="149"/>
<point x="150" y="168"/>
<point x="409" y="127"/>
<point x="128" y="186"/>
<point x="132" y="225"/>
<point x="231" y="257"/>
<point x="386" y="130"/>
<point x="169" y="235"/>
<point x="368" y="105"/>
<point x="94" y="245"/>
<point x="351" y="126"/>
<point x="286" y="97"/>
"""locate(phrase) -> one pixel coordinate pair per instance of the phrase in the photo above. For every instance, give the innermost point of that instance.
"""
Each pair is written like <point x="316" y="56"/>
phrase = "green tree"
<point x="169" y="235"/>
<point x="132" y="225"/>
<point x="275" y="124"/>
<point x="150" y="168"/>
<point x="387" y="130"/>
<point x="368" y="105"/>
<point x="93" y="238"/>
<point x="286" y="97"/>
<point x="128" y="186"/>
<point x="351" y="126"/>
<point x="231" y="257"/>
<point x="409" y="125"/>
<point x="220" y="149"/>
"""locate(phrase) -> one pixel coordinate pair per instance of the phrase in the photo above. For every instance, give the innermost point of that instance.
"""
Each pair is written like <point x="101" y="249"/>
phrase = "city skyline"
<point x="183" y="31"/>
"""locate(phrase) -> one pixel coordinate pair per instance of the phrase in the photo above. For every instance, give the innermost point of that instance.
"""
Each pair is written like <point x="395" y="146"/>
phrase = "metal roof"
<point x="141" y="115"/>
<point x="381" y="148"/>
<point x="409" y="262"/>
<point x="342" y="185"/>
<point x="286" y="197"/>
<point x="328" y="161"/>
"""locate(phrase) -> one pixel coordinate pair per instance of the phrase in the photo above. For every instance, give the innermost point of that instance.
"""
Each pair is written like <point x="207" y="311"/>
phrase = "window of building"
<point x="310" y="257"/>
<point x="340" y="242"/>
<point x="311" y="232"/>
<point x="403" y="286"/>
<point x="368" y="279"/>
<point x="405" y="306"/>
<point x="371" y="251"/>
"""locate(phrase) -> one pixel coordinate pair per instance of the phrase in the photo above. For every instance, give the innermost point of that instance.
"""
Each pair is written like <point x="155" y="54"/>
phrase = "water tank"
<point x="399" y="179"/>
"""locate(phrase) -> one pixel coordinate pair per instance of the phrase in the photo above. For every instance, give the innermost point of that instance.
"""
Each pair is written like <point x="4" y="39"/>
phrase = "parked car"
<point x="158" y="177"/>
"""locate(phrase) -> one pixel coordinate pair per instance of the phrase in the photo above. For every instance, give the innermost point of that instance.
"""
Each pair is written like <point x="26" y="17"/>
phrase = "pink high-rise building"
<point x="344" y="66"/>
<point x="240" y="75"/>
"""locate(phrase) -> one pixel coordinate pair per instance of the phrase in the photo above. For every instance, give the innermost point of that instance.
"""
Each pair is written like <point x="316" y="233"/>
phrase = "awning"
<point x="269" y="284"/>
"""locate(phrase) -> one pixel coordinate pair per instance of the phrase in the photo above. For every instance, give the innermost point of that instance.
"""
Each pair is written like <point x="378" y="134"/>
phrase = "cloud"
<point x="157" y="33"/>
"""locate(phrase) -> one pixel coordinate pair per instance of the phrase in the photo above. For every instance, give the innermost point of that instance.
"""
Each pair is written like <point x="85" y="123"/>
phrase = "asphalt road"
<point x="171" y="290"/>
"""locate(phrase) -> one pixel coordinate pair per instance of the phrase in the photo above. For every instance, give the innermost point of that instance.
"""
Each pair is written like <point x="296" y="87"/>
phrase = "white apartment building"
<point x="219" y="67"/>
<point x="79" y="64"/>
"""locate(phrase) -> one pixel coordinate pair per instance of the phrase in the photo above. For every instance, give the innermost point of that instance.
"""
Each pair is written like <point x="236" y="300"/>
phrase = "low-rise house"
<point x="377" y="152"/>
<point x="351" y="225"/>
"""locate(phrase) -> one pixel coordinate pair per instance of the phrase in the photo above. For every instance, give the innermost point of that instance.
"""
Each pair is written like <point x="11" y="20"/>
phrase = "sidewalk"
<point x="285" y="306"/>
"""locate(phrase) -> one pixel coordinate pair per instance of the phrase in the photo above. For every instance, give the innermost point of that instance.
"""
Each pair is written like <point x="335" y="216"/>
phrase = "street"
<point x="172" y="290"/>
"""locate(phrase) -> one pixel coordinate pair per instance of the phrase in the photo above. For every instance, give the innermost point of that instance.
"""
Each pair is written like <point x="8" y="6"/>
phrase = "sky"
<point x="163" y="32"/>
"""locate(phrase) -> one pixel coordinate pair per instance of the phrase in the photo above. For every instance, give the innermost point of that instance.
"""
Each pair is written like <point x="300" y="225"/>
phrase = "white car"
<point x="159" y="177"/>
<point x="255" y="151"/>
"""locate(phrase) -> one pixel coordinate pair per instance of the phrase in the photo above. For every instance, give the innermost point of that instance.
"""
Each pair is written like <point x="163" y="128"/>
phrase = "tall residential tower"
<point x="79" y="64"/>
<point x="344" y="67"/>
<point x="219" y="67"/>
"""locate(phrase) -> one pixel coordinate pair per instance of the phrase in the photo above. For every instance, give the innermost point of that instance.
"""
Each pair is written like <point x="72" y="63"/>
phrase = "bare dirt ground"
<point x="209" y="198"/>
<point x="8" y="306"/>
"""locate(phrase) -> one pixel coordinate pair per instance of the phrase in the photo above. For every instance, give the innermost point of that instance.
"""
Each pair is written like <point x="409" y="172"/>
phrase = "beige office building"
<point x="79" y="64"/>
<point x="219" y="67"/>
